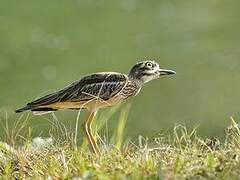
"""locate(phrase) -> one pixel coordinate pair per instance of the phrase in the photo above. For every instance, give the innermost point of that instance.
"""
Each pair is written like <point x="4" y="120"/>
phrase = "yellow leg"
<point x="88" y="132"/>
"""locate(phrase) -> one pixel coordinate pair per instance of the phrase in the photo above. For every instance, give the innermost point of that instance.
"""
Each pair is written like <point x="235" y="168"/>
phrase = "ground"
<point x="181" y="154"/>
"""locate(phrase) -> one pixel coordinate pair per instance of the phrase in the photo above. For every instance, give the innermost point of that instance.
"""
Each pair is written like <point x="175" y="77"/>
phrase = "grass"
<point x="180" y="154"/>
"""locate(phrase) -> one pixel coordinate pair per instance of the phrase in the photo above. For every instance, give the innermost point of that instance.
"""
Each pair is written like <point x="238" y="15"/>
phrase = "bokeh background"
<point x="45" y="45"/>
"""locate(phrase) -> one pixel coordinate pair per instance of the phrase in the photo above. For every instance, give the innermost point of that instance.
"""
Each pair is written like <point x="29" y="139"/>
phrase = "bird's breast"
<point x="131" y="89"/>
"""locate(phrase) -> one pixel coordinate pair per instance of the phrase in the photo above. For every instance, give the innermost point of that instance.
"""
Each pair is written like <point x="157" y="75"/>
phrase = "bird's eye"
<point x="148" y="64"/>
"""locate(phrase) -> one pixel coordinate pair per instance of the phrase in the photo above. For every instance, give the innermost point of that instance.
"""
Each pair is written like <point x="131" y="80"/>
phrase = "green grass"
<point x="178" y="154"/>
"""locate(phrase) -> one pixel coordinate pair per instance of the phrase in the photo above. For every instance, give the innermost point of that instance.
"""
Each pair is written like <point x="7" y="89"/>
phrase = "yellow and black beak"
<point x="164" y="72"/>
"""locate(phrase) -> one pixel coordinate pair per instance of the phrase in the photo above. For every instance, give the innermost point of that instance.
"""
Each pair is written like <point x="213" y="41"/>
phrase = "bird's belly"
<point x="90" y="104"/>
<point x="99" y="103"/>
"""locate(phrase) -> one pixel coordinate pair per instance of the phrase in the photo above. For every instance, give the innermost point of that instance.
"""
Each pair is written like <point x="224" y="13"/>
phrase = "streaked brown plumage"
<point x="99" y="86"/>
<point x="96" y="91"/>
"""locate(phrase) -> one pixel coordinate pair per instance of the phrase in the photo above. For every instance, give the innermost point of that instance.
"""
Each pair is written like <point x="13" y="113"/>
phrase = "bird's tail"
<point x="37" y="110"/>
<point x="22" y="109"/>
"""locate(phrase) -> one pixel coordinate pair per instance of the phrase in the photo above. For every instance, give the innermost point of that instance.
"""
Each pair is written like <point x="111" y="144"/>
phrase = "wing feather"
<point x="101" y="85"/>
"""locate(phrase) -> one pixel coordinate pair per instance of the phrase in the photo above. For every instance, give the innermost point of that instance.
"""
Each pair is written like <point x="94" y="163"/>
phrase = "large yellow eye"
<point x="148" y="64"/>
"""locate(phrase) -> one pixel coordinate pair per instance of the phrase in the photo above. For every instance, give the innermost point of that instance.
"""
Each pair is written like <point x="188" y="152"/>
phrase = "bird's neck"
<point x="135" y="81"/>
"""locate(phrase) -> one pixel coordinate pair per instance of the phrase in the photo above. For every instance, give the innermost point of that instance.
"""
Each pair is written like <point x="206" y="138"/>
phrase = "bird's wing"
<point x="100" y="85"/>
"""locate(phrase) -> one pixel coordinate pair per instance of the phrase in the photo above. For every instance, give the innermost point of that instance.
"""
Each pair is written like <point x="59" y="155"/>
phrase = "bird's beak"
<point x="163" y="72"/>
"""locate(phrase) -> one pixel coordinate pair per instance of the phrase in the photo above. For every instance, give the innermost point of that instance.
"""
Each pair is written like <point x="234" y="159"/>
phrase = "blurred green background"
<point x="45" y="45"/>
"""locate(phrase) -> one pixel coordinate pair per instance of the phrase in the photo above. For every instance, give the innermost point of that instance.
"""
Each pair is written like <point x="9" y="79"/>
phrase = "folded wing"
<point x="99" y="85"/>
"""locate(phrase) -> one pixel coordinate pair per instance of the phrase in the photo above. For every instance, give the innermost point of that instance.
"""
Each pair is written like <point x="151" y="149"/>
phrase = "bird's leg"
<point x="88" y="131"/>
<point x="94" y="142"/>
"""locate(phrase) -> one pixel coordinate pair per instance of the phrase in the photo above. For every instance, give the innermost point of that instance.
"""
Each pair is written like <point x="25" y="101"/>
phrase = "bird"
<point x="96" y="91"/>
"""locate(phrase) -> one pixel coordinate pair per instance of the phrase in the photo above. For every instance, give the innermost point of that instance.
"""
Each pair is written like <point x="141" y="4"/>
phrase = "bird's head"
<point x="146" y="71"/>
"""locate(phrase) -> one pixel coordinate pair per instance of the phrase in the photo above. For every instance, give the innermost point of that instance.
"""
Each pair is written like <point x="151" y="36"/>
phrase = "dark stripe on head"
<point x="146" y="74"/>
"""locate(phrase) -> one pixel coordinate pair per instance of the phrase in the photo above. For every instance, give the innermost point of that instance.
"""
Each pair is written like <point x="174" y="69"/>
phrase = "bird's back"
<point x="102" y="86"/>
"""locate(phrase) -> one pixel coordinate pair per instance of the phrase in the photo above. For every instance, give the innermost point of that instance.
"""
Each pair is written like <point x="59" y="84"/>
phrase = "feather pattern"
<point x="131" y="89"/>
<point x="99" y="85"/>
